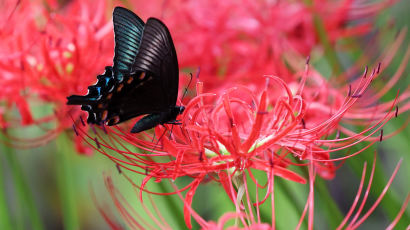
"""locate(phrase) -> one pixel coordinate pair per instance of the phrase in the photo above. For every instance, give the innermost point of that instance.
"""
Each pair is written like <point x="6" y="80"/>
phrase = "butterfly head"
<point x="172" y="113"/>
<point x="181" y="109"/>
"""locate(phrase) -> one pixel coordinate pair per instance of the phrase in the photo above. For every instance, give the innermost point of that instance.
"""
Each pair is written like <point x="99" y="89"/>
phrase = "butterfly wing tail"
<point x="79" y="100"/>
<point x="104" y="83"/>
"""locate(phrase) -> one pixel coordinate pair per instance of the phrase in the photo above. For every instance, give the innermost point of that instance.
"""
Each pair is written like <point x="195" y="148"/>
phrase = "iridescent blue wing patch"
<point x="128" y="29"/>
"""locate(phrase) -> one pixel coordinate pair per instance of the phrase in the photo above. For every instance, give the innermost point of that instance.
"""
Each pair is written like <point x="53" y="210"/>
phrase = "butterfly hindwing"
<point x="128" y="29"/>
<point x="104" y="83"/>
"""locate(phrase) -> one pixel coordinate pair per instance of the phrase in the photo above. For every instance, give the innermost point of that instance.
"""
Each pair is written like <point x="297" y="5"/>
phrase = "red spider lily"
<point x="246" y="217"/>
<point x="253" y="37"/>
<point x="58" y="56"/>
<point x="223" y="136"/>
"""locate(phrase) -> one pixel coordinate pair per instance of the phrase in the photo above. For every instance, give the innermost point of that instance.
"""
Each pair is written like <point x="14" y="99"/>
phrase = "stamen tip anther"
<point x="397" y="111"/>
<point x="82" y="121"/>
<point x="231" y="122"/>
<point x="365" y="71"/>
<point x="198" y="71"/>
<point x="103" y="128"/>
<point x="201" y="157"/>
<point x="93" y="128"/>
<point x="97" y="142"/>
<point x="262" y="112"/>
<point x="75" y="130"/>
<point x="118" y="168"/>
<point x="337" y="134"/>
<point x="271" y="162"/>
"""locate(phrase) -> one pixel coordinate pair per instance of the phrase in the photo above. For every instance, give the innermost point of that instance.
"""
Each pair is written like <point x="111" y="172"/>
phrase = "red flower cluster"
<point x="224" y="136"/>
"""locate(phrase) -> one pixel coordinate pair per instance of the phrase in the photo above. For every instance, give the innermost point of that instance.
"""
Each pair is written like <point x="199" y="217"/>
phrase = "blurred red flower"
<point x="54" y="51"/>
<point x="237" y="41"/>
<point x="18" y="19"/>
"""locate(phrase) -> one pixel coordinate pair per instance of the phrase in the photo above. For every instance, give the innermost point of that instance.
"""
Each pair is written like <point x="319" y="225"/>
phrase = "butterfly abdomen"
<point x="147" y="122"/>
<point x="152" y="120"/>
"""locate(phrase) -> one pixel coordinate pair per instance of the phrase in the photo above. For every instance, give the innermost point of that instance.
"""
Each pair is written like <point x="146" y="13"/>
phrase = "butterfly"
<point x="142" y="81"/>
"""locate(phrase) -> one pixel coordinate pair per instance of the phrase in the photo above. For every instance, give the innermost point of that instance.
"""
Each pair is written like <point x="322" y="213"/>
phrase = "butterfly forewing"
<point x="157" y="56"/>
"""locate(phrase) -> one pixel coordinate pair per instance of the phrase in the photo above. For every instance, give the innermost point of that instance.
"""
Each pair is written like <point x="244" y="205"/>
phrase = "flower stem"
<point x="287" y="194"/>
<point x="24" y="195"/>
<point x="5" y="220"/>
<point x="172" y="205"/>
<point x="65" y="182"/>
<point x="330" y="53"/>
<point x="332" y="211"/>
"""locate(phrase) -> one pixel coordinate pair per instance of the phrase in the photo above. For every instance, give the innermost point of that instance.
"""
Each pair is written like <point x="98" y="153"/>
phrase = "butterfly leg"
<point x="159" y="139"/>
<point x="175" y="122"/>
<point x="170" y="132"/>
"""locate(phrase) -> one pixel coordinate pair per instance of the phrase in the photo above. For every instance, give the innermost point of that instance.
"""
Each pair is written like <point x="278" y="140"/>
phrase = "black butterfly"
<point x="143" y="79"/>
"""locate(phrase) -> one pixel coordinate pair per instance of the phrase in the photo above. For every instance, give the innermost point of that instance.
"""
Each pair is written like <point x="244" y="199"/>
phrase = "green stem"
<point x="330" y="52"/>
<point x="332" y="212"/>
<point x="24" y="195"/>
<point x="331" y="209"/>
<point x="65" y="182"/>
<point x="173" y="207"/>
<point x="5" y="219"/>
<point x="289" y="193"/>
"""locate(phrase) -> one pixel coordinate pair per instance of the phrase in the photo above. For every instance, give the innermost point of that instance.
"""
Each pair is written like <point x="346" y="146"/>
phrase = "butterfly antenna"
<point x="159" y="139"/>
<point x="186" y="88"/>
